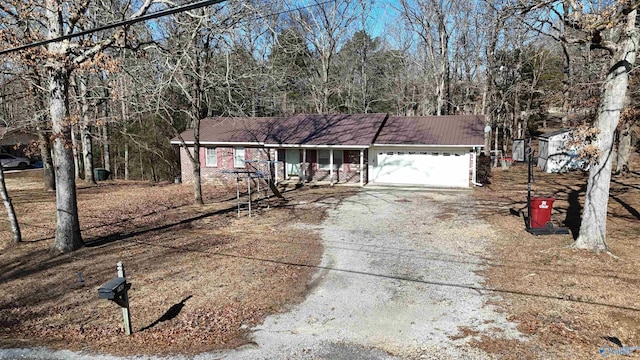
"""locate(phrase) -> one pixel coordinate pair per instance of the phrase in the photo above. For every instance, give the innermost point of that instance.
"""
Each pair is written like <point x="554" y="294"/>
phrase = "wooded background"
<point x="130" y="87"/>
<point x="275" y="58"/>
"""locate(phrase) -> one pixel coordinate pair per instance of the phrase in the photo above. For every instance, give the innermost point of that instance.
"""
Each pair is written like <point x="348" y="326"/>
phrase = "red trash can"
<point x="540" y="211"/>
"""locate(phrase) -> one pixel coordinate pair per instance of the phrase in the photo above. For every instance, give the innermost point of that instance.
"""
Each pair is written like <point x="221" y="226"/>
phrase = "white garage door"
<point x="434" y="168"/>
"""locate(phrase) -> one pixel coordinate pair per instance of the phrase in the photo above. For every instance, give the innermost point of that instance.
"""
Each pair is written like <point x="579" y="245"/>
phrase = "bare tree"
<point x="613" y="30"/>
<point x="326" y="27"/>
<point x="61" y="18"/>
<point x="181" y="92"/>
<point x="433" y="21"/>
<point x="11" y="213"/>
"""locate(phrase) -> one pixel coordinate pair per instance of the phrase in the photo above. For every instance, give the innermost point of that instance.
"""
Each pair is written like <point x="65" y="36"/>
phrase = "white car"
<point x="10" y="161"/>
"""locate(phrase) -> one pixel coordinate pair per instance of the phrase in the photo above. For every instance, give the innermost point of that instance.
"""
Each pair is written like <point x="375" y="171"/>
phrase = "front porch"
<point x="322" y="165"/>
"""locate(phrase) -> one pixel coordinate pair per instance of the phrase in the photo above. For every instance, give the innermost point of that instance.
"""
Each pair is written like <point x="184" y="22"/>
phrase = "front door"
<point x="293" y="162"/>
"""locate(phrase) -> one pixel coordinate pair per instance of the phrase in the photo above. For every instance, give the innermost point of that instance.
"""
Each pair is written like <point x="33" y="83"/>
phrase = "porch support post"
<point x="286" y="162"/>
<point x="275" y="166"/>
<point x="304" y="165"/>
<point x="331" y="166"/>
<point x="361" y="167"/>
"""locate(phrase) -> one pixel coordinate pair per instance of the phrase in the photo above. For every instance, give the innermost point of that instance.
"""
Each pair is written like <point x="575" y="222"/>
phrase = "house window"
<point x="238" y="157"/>
<point x="323" y="159"/>
<point x="211" y="160"/>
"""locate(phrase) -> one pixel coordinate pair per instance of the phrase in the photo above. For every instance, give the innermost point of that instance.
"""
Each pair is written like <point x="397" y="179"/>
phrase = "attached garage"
<point x="434" y="151"/>
<point x="442" y="168"/>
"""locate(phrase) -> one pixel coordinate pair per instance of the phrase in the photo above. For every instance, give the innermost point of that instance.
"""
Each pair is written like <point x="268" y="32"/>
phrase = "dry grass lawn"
<point x="200" y="275"/>
<point x="571" y="303"/>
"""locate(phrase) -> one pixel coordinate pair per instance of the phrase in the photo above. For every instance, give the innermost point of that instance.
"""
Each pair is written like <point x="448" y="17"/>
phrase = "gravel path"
<point x="398" y="280"/>
<point x="395" y="281"/>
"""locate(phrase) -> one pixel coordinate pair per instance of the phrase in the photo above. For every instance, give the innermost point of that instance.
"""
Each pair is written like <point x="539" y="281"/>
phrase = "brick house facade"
<point x="339" y="148"/>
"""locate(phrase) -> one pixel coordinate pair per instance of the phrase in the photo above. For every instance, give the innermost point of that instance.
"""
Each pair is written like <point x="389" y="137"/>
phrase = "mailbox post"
<point x="116" y="290"/>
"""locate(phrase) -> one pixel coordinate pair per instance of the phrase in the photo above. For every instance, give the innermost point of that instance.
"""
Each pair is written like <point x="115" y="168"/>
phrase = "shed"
<point x="518" y="150"/>
<point x="556" y="154"/>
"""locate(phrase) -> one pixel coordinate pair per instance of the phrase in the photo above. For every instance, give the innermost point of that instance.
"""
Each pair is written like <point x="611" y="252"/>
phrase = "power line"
<point x="155" y="15"/>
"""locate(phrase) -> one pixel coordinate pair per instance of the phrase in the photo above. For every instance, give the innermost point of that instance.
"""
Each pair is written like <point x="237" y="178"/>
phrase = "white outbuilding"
<point x="556" y="153"/>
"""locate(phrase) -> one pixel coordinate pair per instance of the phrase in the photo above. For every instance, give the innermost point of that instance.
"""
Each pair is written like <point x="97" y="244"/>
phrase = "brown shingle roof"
<point x="345" y="130"/>
<point x="232" y="130"/>
<point x="311" y="129"/>
<point x="433" y="130"/>
<point x="338" y="129"/>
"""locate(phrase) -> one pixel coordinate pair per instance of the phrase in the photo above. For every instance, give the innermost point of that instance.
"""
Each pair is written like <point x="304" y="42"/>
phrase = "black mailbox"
<point x="112" y="289"/>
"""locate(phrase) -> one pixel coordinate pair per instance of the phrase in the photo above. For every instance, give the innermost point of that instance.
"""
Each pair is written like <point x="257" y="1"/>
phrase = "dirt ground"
<point x="200" y="275"/>
<point x="573" y="304"/>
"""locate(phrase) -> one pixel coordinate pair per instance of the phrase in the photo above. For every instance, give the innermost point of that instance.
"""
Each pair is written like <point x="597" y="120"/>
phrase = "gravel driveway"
<point x="398" y="280"/>
<point x="395" y="282"/>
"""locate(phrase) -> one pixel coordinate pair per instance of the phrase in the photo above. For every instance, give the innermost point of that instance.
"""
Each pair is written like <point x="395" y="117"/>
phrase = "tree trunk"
<point x="68" y="237"/>
<point x="141" y="162"/>
<point x="566" y="77"/>
<point x="624" y="149"/>
<point x="593" y="228"/>
<point x="486" y="149"/>
<point x="197" y="183"/>
<point x="106" y="151"/>
<point x="197" y="113"/>
<point x="106" y="155"/>
<point x="44" y="139"/>
<point x="126" y="159"/>
<point x="87" y="144"/>
<point x="154" y="175"/>
<point x="495" y="145"/>
<point x="123" y="114"/>
<point x="116" y="165"/>
<point x="11" y="213"/>
<point x="76" y="156"/>
<point x="44" y="145"/>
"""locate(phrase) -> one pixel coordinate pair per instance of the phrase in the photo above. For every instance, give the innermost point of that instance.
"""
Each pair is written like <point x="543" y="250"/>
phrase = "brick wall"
<point x="213" y="174"/>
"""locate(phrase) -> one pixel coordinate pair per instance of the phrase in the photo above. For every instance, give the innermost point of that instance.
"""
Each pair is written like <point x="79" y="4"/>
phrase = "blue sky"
<point x="382" y="16"/>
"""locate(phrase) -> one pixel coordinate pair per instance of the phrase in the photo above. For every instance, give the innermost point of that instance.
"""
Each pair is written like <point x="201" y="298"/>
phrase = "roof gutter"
<point x="425" y="145"/>
<point x="217" y="143"/>
<point x="304" y="146"/>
